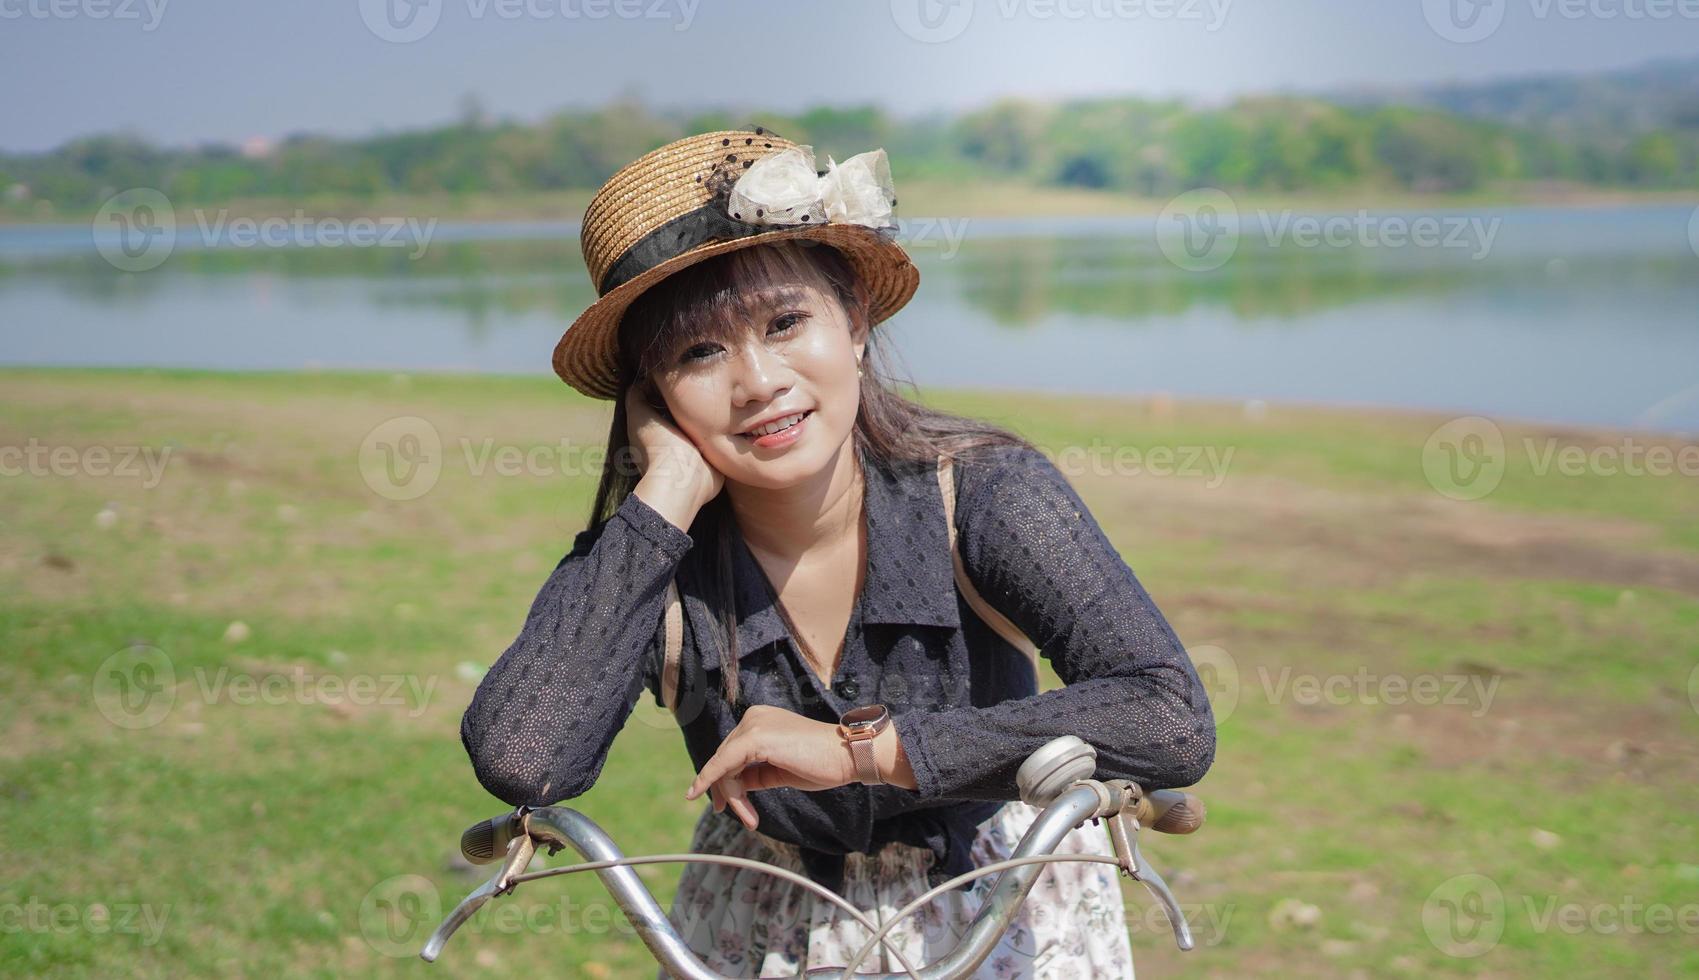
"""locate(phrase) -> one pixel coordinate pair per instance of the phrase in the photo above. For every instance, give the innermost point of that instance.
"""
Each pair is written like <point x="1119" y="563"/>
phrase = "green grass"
<point x="272" y="835"/>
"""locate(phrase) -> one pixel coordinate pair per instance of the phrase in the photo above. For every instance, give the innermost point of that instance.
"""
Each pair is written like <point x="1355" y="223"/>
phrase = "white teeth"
<point x="778" y="426"/>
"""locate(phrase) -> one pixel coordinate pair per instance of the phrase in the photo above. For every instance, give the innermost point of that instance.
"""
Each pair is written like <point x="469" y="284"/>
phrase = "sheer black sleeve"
<point x="539" y="727"/>
<point x="1036" y="554"/>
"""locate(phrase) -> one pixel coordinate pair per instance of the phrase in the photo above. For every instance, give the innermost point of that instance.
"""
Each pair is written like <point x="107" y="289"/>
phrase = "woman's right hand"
<point x="674" y="472"/>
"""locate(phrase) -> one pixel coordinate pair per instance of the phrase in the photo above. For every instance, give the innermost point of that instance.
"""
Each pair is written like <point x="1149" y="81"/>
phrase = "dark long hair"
<point x="711" y="301"/>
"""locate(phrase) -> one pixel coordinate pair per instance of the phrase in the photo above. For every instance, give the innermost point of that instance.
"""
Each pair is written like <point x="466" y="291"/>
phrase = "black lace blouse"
<point x="964" y="702"/>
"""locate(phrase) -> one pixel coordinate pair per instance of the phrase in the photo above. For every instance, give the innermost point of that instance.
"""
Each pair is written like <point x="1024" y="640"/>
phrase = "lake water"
<point x="1587" y="316"/>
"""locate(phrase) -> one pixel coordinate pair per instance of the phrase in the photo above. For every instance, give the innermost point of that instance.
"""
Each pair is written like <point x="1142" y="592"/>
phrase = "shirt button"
<point x="848" y="689"/>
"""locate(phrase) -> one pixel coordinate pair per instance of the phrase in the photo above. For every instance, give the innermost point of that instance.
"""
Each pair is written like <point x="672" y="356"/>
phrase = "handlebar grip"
<point x="1170" y="811"/>
<point x="487" y="840"/>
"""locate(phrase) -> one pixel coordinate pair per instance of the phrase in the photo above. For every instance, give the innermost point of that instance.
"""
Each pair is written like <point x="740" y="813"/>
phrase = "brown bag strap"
<point x="674" y="639"/>
<point x="994" y="619"/>
<point x="674" y="646"/>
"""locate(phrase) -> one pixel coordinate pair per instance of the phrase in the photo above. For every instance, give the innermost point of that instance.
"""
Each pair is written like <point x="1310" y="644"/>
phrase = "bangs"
<point x="723" y="297"/>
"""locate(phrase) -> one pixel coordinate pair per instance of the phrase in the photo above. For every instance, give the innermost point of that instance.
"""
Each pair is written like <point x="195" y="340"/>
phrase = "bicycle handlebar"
<point x="1057" y="777"/>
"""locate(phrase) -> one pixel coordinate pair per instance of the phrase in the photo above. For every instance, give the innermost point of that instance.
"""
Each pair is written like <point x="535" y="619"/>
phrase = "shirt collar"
<point x="910" y="571"/>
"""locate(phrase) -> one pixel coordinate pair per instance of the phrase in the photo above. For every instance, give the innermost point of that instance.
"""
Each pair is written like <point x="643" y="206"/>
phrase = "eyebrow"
<point x="788" y="295"/>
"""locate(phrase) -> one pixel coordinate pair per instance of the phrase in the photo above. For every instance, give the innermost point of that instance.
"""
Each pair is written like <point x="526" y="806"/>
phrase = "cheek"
<point x="698" y="410"/>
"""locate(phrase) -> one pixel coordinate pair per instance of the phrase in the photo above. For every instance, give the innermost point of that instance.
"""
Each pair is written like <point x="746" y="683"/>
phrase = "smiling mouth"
<point x="784" y="423"/>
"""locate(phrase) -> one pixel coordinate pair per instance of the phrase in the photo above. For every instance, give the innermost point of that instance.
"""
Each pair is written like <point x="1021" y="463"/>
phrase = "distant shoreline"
<point x="1150" y="404"/>
<point x="919" y="199"/>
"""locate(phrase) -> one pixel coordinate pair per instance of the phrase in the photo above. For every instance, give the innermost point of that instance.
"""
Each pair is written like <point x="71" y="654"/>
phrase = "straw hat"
<point x="702" y="196"/>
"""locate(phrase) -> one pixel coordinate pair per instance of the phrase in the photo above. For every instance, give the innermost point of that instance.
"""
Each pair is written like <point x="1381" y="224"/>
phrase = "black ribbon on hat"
<point x="677" y="236"/>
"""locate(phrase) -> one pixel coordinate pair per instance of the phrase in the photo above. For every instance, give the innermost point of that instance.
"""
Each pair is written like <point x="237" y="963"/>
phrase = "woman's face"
<point x="797" y="355"/>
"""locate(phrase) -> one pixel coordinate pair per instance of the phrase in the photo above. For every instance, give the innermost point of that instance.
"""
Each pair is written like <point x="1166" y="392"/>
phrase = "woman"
<point x="848" y="714"/>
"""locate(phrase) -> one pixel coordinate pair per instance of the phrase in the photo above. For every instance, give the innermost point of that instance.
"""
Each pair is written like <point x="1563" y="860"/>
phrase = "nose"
<point x="758" y="375"/>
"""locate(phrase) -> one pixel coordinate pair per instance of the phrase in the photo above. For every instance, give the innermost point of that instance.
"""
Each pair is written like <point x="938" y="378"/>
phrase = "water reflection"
<point x="1584" y="316"/>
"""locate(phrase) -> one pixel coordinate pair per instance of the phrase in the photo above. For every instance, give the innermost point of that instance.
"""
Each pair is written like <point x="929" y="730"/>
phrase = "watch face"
<point x="865" y="715"/>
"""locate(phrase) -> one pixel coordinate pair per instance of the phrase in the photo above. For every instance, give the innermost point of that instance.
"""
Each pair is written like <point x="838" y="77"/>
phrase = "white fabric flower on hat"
<point x="784" y="189"/>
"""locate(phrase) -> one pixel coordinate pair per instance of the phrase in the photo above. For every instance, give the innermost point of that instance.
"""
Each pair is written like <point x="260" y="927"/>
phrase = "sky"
<point x="181" y="72"/>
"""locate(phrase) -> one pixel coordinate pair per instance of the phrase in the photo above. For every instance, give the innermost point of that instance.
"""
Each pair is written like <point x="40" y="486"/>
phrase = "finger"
<point x="716" y="798"/>
<point x="731" y="758"/>
<point x="739" y="801"/>
<point x="764" y="775"/>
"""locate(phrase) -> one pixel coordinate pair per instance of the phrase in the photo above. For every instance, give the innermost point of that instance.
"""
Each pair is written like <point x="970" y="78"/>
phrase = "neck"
<point x="789" y="521"/>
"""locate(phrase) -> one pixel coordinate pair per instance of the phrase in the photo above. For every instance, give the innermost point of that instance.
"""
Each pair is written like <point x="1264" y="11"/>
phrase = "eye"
<point x="787" y="323"/>
<point x="699" y="352"/>
<point x="782" y="325"/>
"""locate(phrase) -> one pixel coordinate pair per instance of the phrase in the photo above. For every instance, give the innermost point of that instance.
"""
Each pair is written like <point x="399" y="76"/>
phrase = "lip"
<point x="772" y="418"/>
<point x="784" y="437"/>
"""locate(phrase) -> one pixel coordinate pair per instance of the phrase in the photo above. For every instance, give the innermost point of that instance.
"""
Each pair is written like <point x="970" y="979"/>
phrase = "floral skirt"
<point x="745" y="923"/>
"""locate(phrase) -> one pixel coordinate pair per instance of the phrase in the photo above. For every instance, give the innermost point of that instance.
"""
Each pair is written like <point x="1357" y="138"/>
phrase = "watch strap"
<point x="866" y="763"/>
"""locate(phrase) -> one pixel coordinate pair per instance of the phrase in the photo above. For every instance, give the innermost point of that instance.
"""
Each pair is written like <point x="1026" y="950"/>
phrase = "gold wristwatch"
<point x="859" y="726"/>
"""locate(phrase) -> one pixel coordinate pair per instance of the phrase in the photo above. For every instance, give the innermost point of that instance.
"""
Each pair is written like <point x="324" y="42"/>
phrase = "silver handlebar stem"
<point x="567" y="826"/>
<point x="1069" y="810"/>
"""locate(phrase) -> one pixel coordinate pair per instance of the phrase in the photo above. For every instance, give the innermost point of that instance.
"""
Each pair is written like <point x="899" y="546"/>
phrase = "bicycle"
<point x="1058" y="778"/>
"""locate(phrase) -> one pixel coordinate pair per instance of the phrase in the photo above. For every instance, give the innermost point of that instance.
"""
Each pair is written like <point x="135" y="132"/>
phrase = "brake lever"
<point x="1124" y="835"/>
<point x="518" y="858"/>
